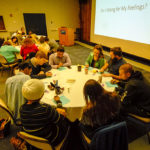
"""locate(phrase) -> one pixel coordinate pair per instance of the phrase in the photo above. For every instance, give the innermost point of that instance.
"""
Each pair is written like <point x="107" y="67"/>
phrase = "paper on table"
<point x="63" y="99"/>
<point x="70" y="80"/>
<point x="61" y="68"/>
<point x="111" y="85"/>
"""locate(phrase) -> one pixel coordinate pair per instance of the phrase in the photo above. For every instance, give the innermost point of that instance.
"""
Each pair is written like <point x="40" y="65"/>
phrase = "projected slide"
<point x="123" y="19"/>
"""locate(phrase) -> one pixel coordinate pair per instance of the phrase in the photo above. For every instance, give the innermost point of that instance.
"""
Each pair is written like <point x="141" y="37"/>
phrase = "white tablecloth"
<point x="73" y="91"/>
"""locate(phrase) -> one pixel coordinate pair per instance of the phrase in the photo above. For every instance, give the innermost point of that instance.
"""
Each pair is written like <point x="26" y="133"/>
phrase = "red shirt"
<point x="28" y="49"/>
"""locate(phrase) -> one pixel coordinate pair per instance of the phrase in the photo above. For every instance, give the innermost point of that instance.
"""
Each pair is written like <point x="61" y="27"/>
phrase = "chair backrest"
<point x="2" y="59"/>
<point x="36" y="141"/>
<point x="112" y="137"/>
<point x="4" y="107"/>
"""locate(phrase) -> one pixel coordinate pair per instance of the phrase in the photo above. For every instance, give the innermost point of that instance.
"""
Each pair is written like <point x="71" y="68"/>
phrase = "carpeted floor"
<point x="78" y="55"/>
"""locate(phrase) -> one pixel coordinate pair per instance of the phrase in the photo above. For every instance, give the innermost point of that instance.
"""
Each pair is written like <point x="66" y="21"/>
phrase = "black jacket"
<point x="36" y="69"/>
<point x="136" y="92"/>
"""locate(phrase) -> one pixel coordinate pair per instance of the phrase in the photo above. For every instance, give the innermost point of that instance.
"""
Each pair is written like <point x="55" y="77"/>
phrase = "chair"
<point x="7" y="112"/>
<point x="40" y="143"/>
<point x="111" y="137"/>
<point x="6" y="65"/>
<point x="142" y="122"/>
<point x="35" y="141"/>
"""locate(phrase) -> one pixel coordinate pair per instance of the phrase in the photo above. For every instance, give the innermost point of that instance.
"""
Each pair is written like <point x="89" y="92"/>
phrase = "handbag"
<point x="4" y="127"/>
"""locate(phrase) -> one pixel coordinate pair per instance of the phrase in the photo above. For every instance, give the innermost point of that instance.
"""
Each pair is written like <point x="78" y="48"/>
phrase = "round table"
<point x="73" y="83"/>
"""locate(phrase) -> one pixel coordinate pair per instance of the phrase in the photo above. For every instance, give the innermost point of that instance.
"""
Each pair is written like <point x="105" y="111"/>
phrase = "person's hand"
<point x="107" y="75"/>
<point x="60" y="65"/>
<point x="101" y="70"/>
<point x="41" y="72"/>
<point x="114" y="81"/>
<point x="48" y="74"/>
<point x="56" y="98"/>
<point x="61" y="111"/>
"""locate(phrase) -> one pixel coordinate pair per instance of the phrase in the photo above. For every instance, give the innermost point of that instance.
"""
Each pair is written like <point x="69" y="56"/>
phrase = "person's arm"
<point x="41" y="76"/>
<point x="36" y="48"/>
<point x="53" y="115"/>
<point x="104" y="67"/>
<point x="111" y="75"/>
<point x="45" y="67"/>
<point x="87" y="62"/>
<point x="68" y="61"/>
<point x="51" y="61"/>
<point x="129" y="95"/>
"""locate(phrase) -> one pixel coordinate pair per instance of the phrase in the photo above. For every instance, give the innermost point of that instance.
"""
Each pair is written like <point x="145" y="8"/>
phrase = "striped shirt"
<point x="44" y="121"/>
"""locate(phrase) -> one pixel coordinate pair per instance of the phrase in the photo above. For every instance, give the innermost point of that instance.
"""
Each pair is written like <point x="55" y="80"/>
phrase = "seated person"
<point x="41" y="119"/>
<point x="33" y="36"/>
<point x="96" y="58"/>
<point x="43" y="46"/>
<point x="27" y="47"/>
<point x="52" y="43"/>
<point x="8" y="51"/>
<point x="101" y="108"/>
<point x="13" y="86"/>
<point x="114" y="63"/>
<point x="14" y="41"/>
<point x="59" y="59"/>
<point x="135" y="91"/>
<point x="40" y="66"/>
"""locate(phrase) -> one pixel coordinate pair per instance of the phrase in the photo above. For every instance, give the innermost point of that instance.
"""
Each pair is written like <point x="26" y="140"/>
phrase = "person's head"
<point x="41" y="58"/>
<point x="46" y="39"/>
<point x="6" y="43"/>
<point x="30" y="32"/>
<point x="42" y="39"/>
<point x="1" y="41"/>
<point x="125" y="71"/>
<point x="25" y="67"/>
<point x="33" y="90"/>
<point x="19" y="32"/>
<point x="60" y="51"/>
<point x="14" y="39"/>
<point x="104" y="105"/>
<point x="27" y="42"/>
<point x="116" y="52"/>
<point x="98" y="51"/>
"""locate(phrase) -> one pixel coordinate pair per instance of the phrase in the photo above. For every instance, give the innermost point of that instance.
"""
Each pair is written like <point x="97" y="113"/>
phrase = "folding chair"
<point x="111" y="137"/>
<point x="7" y="112"/>
<point x="36" y="141"/>
<point x="40" y="143"/>
<point x="6" y="65"/>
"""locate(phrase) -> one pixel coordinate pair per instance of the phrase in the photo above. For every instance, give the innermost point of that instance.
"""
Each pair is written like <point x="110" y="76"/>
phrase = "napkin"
<point x="90" y="68"/>
<point x="111" y="85"/>
<point x="61" y="68"/>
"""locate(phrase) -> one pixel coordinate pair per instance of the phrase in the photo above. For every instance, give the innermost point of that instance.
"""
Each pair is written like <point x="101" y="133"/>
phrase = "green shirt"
<point x="8" y="52"/>
<point x="98" y="64"/>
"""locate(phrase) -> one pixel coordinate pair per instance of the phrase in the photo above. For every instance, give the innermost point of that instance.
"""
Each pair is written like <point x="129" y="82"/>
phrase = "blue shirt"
<point x="114" y="66"/>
